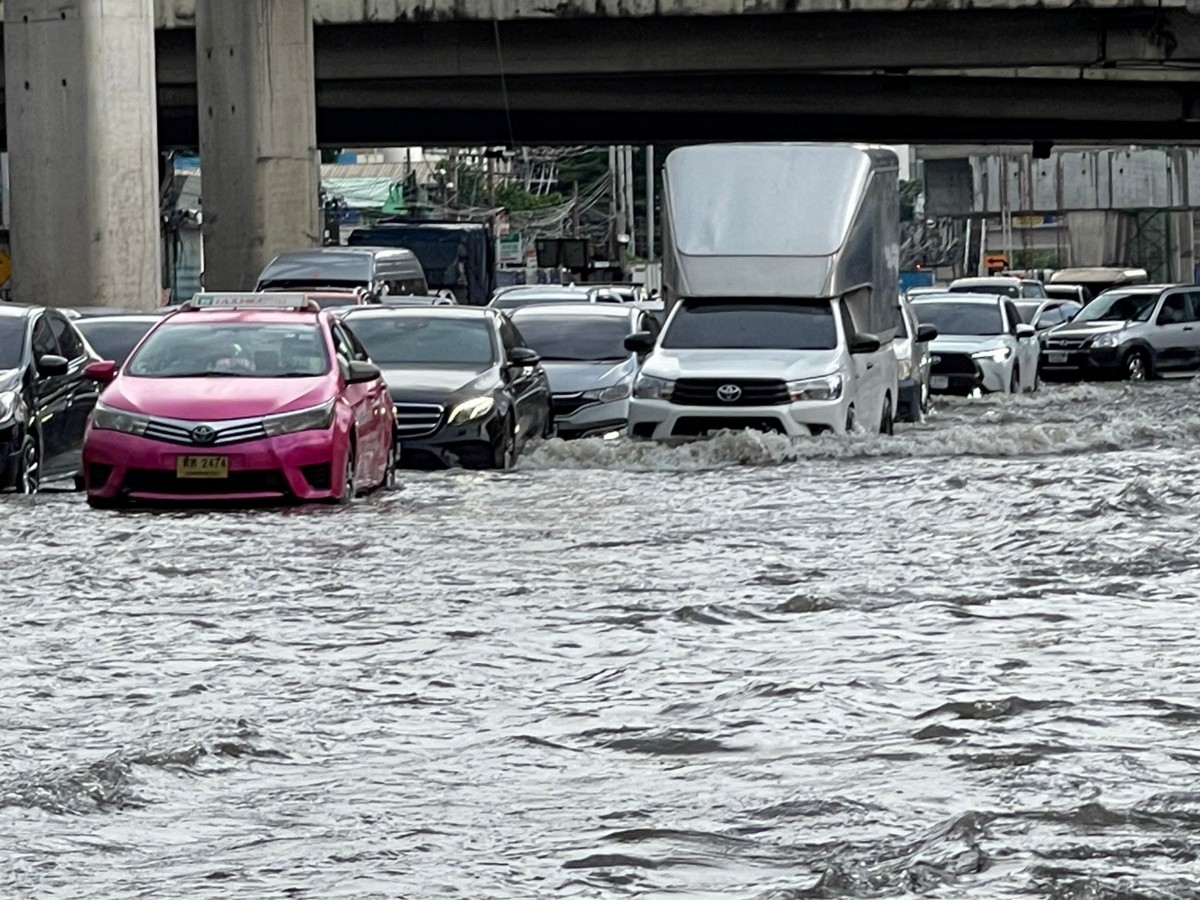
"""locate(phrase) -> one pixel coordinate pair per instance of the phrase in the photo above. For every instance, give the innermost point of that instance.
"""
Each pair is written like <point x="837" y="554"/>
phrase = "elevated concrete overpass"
<point x="259" y="84"/>
<point x="412" y="71"/>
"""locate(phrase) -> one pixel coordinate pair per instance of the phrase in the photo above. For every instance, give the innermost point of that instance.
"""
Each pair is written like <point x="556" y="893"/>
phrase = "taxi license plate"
<point x="939" y="382"/>
<point x="202" y="467"/>
<point x="1056" y="357"/>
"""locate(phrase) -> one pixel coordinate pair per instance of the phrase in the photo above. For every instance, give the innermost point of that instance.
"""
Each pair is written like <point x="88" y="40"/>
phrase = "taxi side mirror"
<point x="359" y="372"/>
<point x="102" y="372"/>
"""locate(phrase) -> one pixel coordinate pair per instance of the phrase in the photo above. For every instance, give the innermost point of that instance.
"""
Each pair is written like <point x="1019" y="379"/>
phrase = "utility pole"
<point x="629" y="205"/>
<point x="650" y="203"/>
<point x="575" y="210"/>
<point x="491" y="181"/>
<point x="614" y="208"/>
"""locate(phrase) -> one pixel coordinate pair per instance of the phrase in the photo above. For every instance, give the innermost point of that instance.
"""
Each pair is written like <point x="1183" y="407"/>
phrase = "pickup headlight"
<point x="315" y="418"/>
<point x="1000" y="354"/>
<point x="1112" y="339"/>
<point x="647" y="387"/>
<point x="105" y="418"/>
<point x="827" y="388"/>
<point x="609" y="394"/>
<point x="470" y="410"/>
<point x="10" y="402"/>
<point x="905" y="369"/>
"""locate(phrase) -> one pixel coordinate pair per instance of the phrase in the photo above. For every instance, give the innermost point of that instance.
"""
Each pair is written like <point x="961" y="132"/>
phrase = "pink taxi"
<point x="240" y="397"/>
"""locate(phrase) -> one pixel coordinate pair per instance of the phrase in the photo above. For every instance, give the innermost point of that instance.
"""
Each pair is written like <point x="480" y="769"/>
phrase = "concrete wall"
<point x="173" y="13"/>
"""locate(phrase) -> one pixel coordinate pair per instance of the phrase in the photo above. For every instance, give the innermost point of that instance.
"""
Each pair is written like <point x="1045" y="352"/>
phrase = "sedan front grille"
<point x="750" y="392"/>
<point x="414" y="420"/>
<point x="175" y="431"/>
<point x="1065" y="343"/>
<point x="566" y="404"/>
<point x="952" y="364"/>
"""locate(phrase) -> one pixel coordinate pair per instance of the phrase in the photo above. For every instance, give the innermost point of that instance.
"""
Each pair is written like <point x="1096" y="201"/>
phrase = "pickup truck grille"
<point x="750" y="392"/>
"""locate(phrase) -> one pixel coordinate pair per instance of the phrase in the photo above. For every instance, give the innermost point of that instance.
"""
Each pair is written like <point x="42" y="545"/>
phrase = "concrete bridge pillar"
<point x="258" y="135"/>
<point x="82" y="145"/>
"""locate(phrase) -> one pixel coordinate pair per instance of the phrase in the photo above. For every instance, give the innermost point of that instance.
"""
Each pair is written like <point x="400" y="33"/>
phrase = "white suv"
<point x="794" y="367"/>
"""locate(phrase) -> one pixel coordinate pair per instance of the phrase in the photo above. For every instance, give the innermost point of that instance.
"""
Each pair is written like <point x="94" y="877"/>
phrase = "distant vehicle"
<point x="467" y="389"/>
<point x="456" y="256"/>
<point x="782" y="282"/>
<point x="88" y="312"/>
<point x="418" y="300"/>
<point x="379" y="271"/>
<point x="912" y="357"/>
<point x="923" y="290"/>
<point x="240" y="397"/>
<point x="45" y="397"/>
<point x="538" y="294"/>
<point x="1076" y="293"/>
<point x="1097" y="279"/>
<point x="1134" y="333"/>
<point x="1001" y="285"/>
<point x="977" y="331"/>
<point x="591" y="373"/>
<point x="1046" y="314"/>
<point x="114" y="337"/>
<point x="619" y="293"/>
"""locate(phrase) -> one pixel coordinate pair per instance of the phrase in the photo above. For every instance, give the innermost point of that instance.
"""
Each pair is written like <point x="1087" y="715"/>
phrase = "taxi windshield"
<point x="232" y="350"/>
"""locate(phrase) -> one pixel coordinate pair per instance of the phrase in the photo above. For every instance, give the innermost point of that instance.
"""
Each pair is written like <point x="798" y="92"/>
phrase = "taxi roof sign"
<point x="248" y="300"/>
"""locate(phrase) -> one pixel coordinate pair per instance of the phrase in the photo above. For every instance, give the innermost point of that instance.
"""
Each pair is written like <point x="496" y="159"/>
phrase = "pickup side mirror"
<point x="926" y="334"/>
<point x="522" y="357"/>
<point x="102" y="372"/>
<point x="862" y="342"/>
<point x="52" y="366"/>
<point x="640" y="342"/>
<point x="360" y="372"/>
<point x="1024" y="332"/>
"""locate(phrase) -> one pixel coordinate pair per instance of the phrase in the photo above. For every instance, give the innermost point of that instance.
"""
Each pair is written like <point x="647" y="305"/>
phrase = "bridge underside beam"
<point x="665" y="109"/>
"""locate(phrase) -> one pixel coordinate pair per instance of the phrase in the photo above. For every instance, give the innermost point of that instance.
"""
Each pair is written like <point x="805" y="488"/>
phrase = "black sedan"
<point x="114" y="337"/>
<point x="467" y="389"/>
<point x="45" y="400"/>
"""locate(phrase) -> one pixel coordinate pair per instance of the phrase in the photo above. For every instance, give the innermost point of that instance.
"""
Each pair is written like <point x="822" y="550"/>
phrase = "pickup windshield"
<point x="730" y="324"/>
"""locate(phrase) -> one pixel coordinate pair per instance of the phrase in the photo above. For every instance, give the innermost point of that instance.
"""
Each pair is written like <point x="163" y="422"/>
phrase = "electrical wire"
<point x="512" y="139"/>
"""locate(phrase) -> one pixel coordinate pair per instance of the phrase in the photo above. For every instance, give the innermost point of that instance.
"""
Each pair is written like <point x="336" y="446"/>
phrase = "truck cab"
<point x="790" y="366"/>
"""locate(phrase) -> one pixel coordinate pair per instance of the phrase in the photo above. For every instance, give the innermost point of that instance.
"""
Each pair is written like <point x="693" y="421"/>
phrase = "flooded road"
<point x="960" y="662"/>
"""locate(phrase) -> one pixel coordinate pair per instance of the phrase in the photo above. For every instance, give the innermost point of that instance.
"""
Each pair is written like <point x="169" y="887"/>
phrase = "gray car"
<point x="1133" y="333"/>
<point x="582" y="347"/>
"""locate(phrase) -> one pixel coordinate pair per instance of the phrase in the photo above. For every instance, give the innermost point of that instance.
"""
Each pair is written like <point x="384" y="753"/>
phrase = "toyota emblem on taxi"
<point x="729" y="393"/>
<point x="203" y="434"/>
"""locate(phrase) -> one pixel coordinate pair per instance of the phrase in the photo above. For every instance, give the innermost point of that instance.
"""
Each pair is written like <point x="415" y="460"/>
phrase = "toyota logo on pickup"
<point x="729" y="393"/>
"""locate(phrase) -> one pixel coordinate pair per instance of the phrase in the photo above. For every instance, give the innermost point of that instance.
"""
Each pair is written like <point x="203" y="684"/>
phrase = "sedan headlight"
<point x="1112" y="339"/>
<point x="1000" y="354"/>
<point x="608" y="394"/>
<point x="827" y="388"/>
<point x="105" y="418"/>
<point x="10" y="402"/>
<point x="470" y="410"/>
<point x="647" y="387"/>
<point x="315" y="418"/>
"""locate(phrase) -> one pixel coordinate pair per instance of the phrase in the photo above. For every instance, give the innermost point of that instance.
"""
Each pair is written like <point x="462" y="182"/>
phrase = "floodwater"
<point x="957" y="663"/>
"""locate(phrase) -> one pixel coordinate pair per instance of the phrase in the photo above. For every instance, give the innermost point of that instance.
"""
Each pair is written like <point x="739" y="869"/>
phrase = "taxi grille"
<point x="414" y="420"/>
<point x="753" y="392"/>
<point x="159" y="481"/>
<point x="176" y="432"/>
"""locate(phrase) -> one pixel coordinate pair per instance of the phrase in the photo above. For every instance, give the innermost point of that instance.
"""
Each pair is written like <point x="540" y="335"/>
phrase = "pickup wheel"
<point x="1137" y="366"/>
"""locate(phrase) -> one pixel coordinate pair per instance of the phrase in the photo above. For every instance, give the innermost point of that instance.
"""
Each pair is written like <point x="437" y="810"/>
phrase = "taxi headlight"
<point x="105" y="418"/>
<point x="827" y="388"/>
<point x="1112" y="339"/>
<point x="315" y="418"/>
<point x="647" y="387"/>
<point x="470" y="410"/>
<point x="609" y="394"/>
<point x="10" y="402"/>
<point x="1000" y="354"/>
